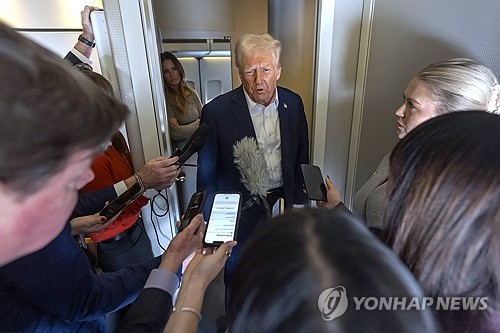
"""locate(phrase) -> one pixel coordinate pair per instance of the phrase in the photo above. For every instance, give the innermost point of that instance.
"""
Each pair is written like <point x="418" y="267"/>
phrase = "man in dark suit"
<point x="258" y="109"/>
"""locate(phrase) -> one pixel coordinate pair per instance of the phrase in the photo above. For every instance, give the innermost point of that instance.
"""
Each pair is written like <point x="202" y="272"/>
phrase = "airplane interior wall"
<point x="46" y="14"/>
<point x="39" y="21"/>
<point x="405" y="37"/>
<point x="335" y="74"/>
<point x="209" y="76"/>
<point x="373" y="48"/>
<point x="293" y="22"/>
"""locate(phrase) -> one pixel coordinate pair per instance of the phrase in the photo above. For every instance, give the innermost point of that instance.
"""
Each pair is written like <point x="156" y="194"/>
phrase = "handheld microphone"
<point x="250" y="161"/>
<point x="193" y="144"/>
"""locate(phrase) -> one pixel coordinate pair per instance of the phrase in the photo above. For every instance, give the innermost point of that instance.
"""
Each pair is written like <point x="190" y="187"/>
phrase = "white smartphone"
<point x="223" y="221"/>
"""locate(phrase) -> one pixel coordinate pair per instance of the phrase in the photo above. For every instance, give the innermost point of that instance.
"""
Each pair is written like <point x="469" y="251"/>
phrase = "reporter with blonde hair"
<point x="445" y="86"/>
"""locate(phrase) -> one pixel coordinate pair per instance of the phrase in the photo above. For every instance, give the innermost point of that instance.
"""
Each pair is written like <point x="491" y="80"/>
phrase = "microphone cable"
<point x="193" y="144"/>
<point x="152" y="204"/>
<point x="154" y="215"/>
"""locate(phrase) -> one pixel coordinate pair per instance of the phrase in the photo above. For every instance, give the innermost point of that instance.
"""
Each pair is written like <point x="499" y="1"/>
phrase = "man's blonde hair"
<point x="253" y="41"/>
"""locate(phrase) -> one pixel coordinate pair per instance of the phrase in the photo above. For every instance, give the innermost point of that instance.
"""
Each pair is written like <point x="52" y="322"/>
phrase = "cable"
<point x="152" y="202"/>
<point x="156" y="231"/>
<point x="154" y="215"/>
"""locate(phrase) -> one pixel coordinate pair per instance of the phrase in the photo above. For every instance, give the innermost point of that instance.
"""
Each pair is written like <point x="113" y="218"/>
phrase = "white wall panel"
<point x="339" y="29"/>
<point x="215" y="77"/>
<point x="192" y="70"/>
<point x="45" y="14"/>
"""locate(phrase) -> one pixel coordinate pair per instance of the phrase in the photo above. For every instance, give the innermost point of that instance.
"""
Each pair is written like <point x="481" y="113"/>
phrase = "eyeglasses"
<point x="83" y="67"/>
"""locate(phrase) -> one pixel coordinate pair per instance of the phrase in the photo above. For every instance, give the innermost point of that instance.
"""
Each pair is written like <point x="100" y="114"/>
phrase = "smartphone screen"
<point x="117" y="205"/>
<point x="194" y="208"/>
<point x="223" y="221"/>
<point x="313" y="180"/>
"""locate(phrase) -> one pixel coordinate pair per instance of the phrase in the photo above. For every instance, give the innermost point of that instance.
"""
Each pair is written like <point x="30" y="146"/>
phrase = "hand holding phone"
<point x="117" y="205"/>
<point x="223" y="222"/>
<point x="194" y="208"/>
<point x="313" y="180"/>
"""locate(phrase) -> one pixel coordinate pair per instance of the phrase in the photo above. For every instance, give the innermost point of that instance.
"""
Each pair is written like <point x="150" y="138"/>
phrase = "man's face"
<point x="39" y="217"/>
<point x="259" y="74"/>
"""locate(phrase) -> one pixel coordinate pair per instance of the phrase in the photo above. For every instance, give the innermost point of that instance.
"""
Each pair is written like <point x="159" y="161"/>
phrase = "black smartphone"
<point x="223" y="221"/>
<point x="194" y="208"/>
<point x="117" y="205"/>
<point x="313" y="180"/>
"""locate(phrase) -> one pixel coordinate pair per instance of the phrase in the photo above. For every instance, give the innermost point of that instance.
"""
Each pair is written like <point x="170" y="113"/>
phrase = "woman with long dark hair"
<point x="183" y="112"/>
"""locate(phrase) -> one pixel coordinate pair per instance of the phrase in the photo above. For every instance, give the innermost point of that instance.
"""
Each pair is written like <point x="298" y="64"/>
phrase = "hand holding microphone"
<point x="159" y="173"/>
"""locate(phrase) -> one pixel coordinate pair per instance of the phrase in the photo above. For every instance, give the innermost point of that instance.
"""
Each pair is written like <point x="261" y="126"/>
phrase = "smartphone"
<point x="223" y="221"/>
<point x="194" y="208"/>
<point x="313" y="180"/>
<point x="117" y="205"/>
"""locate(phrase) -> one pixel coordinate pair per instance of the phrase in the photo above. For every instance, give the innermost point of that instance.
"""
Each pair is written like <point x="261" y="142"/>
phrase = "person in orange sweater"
<point x="124" y="241"/>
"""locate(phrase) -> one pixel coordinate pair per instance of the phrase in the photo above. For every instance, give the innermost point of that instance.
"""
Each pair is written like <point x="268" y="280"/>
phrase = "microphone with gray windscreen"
<point x="250" y="161"/>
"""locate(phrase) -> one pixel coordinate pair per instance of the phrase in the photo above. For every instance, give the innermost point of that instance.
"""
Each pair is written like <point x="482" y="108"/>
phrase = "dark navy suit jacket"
<point x="55" y="289"/>
<point x="229" y="120"/>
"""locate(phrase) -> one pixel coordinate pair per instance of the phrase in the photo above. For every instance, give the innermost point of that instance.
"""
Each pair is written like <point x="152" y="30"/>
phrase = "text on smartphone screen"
<point x="222" y="222"/>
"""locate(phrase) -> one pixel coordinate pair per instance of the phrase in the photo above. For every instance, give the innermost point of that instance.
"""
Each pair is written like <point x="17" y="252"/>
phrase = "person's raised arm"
<point x="85" y="44"/>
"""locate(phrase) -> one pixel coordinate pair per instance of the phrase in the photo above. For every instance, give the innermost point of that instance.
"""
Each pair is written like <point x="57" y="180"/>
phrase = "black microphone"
<point x="193" y="144"/>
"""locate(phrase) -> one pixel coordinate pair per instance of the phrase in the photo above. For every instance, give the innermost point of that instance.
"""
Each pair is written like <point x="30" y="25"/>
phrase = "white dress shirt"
<point x="266" y="125"/>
